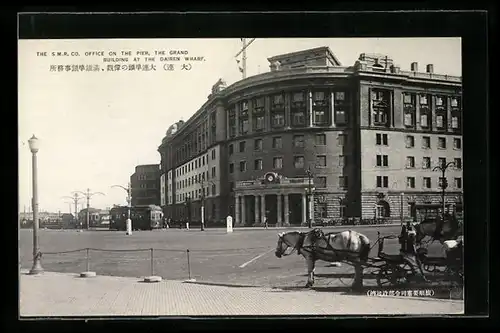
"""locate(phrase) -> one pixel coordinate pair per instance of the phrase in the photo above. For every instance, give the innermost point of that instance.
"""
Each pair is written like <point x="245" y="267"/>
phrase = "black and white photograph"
<point x="240" y="176"/>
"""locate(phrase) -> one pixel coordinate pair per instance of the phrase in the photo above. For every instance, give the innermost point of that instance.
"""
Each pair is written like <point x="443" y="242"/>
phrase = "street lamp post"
<point x="129" y="204"/>
<point x="202" y="225"/>
<point x="402" y="196"/>
<point x="202" y="183"/>
<point x="88" y="195"/>
<point x="37" y="255"/>
<point x="188" y="213"/>
<point x="311" y="207"/>
<point x="444" y="182"/>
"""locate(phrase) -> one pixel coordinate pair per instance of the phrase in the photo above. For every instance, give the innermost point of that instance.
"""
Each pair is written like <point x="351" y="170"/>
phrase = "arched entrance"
<point x="382" y="209"/>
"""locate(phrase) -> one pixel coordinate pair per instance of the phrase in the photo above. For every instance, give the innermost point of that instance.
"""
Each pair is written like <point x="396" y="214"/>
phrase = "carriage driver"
<point x="408" y="250"/>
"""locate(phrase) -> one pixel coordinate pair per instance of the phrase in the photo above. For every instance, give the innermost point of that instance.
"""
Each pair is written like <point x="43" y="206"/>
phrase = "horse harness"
<point x="318" y="234"/>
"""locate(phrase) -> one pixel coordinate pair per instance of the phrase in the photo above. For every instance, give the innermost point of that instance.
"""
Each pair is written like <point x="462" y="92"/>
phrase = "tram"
<point x="144" y="217"/>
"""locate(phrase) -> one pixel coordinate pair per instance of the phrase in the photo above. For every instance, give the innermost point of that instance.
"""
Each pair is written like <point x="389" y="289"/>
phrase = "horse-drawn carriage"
<point x="353" y="248"/>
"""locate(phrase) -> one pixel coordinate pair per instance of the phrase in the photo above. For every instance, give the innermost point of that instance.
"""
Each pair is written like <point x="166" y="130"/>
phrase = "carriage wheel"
<point x="394" y="275"/>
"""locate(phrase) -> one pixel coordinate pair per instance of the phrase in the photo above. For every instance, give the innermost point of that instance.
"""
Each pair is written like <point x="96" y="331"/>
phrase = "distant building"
<point x="145" y="183"/>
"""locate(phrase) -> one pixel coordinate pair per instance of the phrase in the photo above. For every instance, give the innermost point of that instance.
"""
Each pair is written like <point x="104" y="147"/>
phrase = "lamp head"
<point x="33" y="143"/>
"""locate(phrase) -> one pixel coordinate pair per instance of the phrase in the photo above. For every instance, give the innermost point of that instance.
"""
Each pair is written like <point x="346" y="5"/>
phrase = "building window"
<point x="440" y="121"/>
<point x="383" y="181"/>
<point x="454" y="122"/>
<point x="319" y="117"/>
<point x="244" y="126"/>
<point x="382" y="160"/>
<point x="320" y="161"/>
<point x="319" y="98"/>
<point x="410" y="182"/>
<point x="442" y="143"/>
<point x="409" y="107"/>
<point x="232" y="121"/>
<point x="257" y="144"/>
<point x="410" y="141"/>
<point x="458" y="183"/>
<point x="442" y="161"/>
<point x="342" y="139"/>
<point x="426" y="142"/>
<point x="426" y="163"/>
<point x="427" y="182"/>
<point x="342" y="161"/>
<point x="278" y="119"/>
<point x="231" y="167"/>
<point x="381" y="107"/>
<point x="242" y="146"/>
<point x="278" y="101"/>
<point x="381" y="139"/>
<point x="298" y="141"/>
<point x="340" y="117"/>
<point x="320" y="139"/>
<point x="214" y="189"/>
<point x="458" y="163"/>
<point x="277" y="162"/>
<point x="457" y="143"/>
<point x="342" y="209"/>
<point x="277" y="142"/>
<point x="258" y="105"/>
<point x="298" y="162"/>
<point x="259" y="123"/>
<point x="339" y="96"/>
<point x="213" y="172"/>
<point x="320" y="182"/>
<point x="213" y="154"/>
<point x="298" y="97"/>
<point x="243" y="166"/>
<point x="343" y="184"/>
<point x="298" y="118"/>
<point x="258" y="164"/>
<point x="231" y="149"/>
<point x="424" y="121"/>
<point x="410" y="162"/>
<point x="425" y="111"/>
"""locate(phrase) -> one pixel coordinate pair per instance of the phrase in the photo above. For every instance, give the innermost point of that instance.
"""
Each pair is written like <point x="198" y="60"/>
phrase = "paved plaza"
<point x="245" y="257"/>
<point x="66" y="294"/>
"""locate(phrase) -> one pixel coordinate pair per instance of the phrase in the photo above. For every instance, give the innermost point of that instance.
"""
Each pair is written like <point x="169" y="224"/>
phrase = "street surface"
<point x="60" y="294"/>
<point x="245" y="257"/>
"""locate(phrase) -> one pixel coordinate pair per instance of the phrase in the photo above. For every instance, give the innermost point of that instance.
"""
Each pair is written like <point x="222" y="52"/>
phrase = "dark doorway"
<point x="271" y="209"/>
<point x="295" y="207"/>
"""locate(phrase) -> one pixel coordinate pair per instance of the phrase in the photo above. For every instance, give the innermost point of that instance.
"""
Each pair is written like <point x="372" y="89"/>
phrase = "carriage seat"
<point x="390" y="257"/>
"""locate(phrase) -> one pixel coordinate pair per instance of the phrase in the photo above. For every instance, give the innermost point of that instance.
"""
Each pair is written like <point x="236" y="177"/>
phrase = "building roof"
<point x="328" y="53"/>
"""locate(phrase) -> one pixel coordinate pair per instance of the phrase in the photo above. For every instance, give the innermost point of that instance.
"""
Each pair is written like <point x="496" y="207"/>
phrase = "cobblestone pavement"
<point x="65" y="294"/>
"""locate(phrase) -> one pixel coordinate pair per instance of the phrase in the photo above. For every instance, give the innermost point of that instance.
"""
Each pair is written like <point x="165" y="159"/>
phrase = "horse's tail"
<point x="364" y="252"/>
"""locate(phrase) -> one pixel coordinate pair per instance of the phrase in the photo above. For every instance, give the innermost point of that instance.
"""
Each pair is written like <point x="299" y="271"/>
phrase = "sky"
<point x="95" y="127"/>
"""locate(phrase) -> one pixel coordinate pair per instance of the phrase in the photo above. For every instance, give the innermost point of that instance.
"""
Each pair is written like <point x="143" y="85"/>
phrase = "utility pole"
<point x="310" y="202"/>
<point x="129" y="204"/>
<point x="76" y="198"/>
<point x="89" y="195"/>
<point x="243" y="52"/>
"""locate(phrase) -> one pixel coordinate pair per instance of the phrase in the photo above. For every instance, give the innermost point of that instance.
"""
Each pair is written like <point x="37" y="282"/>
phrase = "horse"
<point x="438" y="229"/>
<point x="347" y="245"/>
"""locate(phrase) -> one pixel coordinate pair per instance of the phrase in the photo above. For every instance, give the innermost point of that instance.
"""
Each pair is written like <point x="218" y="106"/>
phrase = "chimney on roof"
<point x="414" y="66"/>
<point x="430" y="68"/>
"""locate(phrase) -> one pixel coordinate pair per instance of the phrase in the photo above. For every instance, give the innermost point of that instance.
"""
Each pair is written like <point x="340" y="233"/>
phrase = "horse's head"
<point x="285" y="242"/>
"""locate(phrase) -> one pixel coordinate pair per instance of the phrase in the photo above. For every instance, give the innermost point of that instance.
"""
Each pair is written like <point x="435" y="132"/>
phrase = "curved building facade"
<point x="362" y="139"/>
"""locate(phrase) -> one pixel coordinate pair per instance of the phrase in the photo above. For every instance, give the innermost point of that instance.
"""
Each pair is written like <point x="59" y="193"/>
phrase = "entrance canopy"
<point x="273" y="183"/>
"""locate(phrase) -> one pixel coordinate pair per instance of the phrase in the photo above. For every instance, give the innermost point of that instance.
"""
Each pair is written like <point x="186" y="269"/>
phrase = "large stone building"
<point x="369" y="133"/>
<point x="145" y="183"/>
